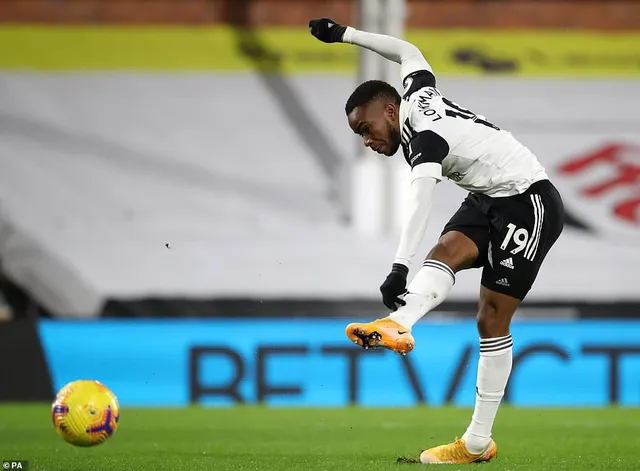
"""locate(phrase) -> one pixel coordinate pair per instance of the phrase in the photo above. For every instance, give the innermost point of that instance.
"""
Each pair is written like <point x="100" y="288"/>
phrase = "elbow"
<point x="411" y="53"/>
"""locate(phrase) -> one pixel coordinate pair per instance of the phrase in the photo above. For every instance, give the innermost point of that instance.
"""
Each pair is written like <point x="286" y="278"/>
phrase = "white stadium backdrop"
<point x="100" y="172"/>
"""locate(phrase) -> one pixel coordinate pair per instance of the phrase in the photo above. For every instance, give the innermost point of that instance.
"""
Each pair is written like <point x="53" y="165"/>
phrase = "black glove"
<point x="394" y="286"/>
<point x="327" y="30"/>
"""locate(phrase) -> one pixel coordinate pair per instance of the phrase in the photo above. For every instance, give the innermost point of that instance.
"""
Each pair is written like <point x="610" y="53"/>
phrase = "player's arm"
<point x="397" y="50"/>
<point x="428" y="149"/>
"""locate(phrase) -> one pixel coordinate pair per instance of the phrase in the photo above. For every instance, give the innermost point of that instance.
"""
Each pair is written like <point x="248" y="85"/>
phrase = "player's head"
<point x="373" y="110"/>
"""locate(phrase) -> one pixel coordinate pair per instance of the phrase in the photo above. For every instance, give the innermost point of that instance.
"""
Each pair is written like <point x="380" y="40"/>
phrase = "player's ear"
<point x="391" y="110"/>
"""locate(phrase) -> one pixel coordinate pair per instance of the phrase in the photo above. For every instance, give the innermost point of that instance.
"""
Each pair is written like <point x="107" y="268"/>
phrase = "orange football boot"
<point x="381" y="333"/>
<point x="457" y="453"/>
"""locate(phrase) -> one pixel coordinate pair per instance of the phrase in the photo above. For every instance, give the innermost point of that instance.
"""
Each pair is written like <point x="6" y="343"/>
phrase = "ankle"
<point x="475" y="444"/>
<point x="407" y="316"/>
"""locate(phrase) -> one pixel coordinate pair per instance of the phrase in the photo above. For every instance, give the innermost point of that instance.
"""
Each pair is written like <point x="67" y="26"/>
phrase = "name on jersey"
<point x="424" y="103"/>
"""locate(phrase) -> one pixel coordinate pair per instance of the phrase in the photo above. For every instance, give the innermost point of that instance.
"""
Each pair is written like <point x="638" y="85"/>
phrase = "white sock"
<point x="494" y="368"/>
<point x="427" y="290"/>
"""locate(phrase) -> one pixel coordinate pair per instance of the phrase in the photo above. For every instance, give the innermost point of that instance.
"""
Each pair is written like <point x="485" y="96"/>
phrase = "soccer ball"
<point x="85" y="413"/>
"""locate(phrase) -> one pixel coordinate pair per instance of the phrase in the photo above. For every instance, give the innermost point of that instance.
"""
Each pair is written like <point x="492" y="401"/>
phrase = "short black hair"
<point x="369" y="91"/>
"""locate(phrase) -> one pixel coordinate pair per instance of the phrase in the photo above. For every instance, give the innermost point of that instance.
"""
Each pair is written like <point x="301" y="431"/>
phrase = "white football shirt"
<point x="481" y="158"/>
<point x="440" y="138"/>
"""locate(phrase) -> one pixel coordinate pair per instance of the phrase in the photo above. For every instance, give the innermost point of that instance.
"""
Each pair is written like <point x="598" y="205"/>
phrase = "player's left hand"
<point x="395" y="286"/>
<point x="327" y="30"/>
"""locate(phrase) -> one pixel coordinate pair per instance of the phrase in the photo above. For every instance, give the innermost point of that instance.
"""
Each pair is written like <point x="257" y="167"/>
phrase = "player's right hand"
<point x="327" y="30"/>
<point x="395" y="286"/>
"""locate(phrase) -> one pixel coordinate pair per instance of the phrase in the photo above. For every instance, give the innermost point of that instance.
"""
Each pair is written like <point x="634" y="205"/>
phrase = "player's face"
<point x="378" y="124"/>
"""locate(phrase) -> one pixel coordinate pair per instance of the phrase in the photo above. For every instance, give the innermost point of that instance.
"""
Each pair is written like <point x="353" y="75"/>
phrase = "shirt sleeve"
<point x="428" y="147"/>
<point x="426" y="118"/>
<point x="397" y="50"/>
<point x="417" y="218"/>
<point x="427" y="150"/>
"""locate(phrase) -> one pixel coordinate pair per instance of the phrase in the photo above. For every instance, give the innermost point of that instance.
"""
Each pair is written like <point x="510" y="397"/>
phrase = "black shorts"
<point x="513" y="235"/>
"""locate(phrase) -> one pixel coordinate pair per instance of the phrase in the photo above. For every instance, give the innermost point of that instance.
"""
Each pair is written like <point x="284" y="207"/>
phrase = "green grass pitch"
<point x="252" y="438"/>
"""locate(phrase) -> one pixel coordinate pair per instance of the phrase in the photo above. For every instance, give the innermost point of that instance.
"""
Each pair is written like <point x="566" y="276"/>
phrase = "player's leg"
<point x="455" y="251"/>
<point x="463" y="244"/>
<point x="494" y="366"/>
<point x="524" y="228"/>
<point x="536" y="220"/>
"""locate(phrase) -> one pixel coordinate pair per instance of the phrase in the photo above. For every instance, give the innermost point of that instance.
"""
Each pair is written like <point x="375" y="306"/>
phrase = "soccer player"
<point x="507" y="224"/>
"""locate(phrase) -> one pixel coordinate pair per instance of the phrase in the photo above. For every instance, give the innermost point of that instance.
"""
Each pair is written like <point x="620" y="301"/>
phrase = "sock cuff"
<point x="495" y="346"/>
<point x="440" y="266"/>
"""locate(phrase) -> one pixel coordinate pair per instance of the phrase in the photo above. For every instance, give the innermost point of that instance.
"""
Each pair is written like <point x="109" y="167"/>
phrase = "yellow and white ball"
<point x="85" y="413"/>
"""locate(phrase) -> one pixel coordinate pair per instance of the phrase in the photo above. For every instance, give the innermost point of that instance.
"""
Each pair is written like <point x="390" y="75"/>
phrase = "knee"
<point x="443" y="251"/>
<point x="455" y="250"/>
